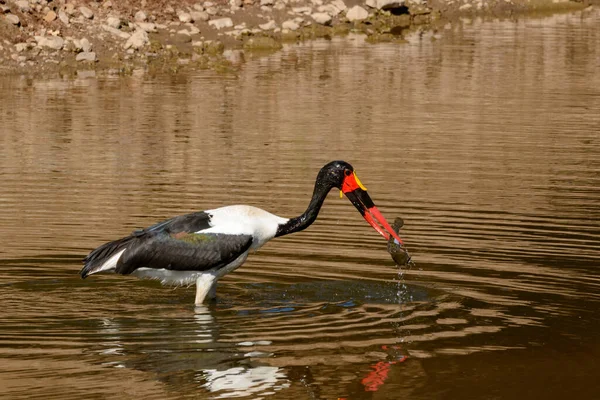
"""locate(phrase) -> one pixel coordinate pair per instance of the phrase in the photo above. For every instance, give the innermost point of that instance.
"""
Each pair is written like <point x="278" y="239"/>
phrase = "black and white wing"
<point x="177" y="244"/>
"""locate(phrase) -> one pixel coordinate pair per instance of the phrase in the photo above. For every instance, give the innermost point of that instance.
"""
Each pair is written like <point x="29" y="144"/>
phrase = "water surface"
<point x="483" y="136"/>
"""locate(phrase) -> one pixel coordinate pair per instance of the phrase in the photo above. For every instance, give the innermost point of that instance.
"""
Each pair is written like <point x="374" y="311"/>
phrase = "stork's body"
<point x="202" y="247"/>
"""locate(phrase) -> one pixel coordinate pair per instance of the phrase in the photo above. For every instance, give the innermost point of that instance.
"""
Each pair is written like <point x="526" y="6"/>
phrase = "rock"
<point x="236" y="3"/>
<point x="385" y="4"/>
<point x="267" y="2"/>
<point x="268" y="26"/>
<point x="140" y="16"/>
<point x="330" y="9"/>
<point x="221" y="23"/>
<point x="280" y="5"/>
<point x="13" y="19"/>
<point x="86" y="12"/>
<point x="194" y="30"/>
<point x="465" y="7"/>
<point x="183" y="37"/>
<point x="199" y="15"/>
<point x="21" y="47"/>
<point x="211" y="11"/>
<point x="198" y="7"/>
<point x="147" y="26"/>
<point x="88" y="56"/>
<point x="70" y="8"/>
<point x="185" y="17"/>
<point x="113" y="22"/>
<point x="116" y="32"/>
<point x="235" y="33"/>
<point x="339" y="4"/>
<point x="321" y="18"/>
<point x="424" y="10"/>
<point x="50" y="16"/>
<point x="290" y="25"/>
<point x="357" y="13"/>
<point x="138" y="40"/>
<point x="85" y="44"/>
<point x="63" y="17"/>
<point x="302" y="10"/>
<point x="4" y="9"/>
<point x="23" y="5"/>
<point x="52" y="42"/>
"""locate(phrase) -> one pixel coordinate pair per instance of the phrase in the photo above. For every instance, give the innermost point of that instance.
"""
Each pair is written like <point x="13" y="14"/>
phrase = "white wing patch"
<point x="245" y="220"/>
<point x="110" y="264"/>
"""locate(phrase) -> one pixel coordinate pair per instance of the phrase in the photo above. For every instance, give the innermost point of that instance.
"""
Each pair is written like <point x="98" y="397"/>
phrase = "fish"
<point x="396" y="249"/>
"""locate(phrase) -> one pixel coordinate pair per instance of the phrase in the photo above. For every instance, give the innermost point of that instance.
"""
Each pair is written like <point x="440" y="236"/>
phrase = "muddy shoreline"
<point x="42" y="38"/>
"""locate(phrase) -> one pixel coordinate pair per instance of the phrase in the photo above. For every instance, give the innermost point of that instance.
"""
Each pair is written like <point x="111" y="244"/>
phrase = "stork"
<point x="203" y="246"/>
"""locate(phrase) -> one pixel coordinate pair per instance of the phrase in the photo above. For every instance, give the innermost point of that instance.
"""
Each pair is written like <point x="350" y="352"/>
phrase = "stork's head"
<point x="341" y="175"/>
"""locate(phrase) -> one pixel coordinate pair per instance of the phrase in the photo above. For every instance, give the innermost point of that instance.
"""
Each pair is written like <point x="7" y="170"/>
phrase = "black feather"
<point x="192" y="252"/>
<point x="173" y="244"/>
<point x="99" y="255"/>
<point x="193" y="222"/>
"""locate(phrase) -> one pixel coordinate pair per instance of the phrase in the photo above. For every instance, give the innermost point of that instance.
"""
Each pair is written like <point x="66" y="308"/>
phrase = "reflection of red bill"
<point x="377" y="377"/>
<point x="380" y="372"/>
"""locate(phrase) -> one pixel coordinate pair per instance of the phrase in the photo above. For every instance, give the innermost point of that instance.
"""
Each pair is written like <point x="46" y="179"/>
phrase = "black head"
<point x="333" y="174"/>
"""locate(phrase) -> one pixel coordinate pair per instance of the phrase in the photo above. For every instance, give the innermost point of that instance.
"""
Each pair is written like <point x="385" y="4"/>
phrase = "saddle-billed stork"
<point x="203" y="246"/>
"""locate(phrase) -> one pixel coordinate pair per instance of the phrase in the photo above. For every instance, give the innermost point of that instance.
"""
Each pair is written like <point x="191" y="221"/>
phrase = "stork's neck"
<point x="303" y="221"/>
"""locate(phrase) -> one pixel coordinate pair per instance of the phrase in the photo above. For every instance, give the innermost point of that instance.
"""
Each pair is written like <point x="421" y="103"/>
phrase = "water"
<point x="485" y="139"/>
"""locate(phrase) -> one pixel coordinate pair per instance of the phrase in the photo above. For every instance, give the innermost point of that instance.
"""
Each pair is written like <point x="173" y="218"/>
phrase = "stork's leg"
<point x="206" y="284"/>
<point x="212" y="293"/>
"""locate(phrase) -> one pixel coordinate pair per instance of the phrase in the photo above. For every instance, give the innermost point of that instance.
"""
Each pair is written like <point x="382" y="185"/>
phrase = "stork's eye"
<point x="347" y="172"/>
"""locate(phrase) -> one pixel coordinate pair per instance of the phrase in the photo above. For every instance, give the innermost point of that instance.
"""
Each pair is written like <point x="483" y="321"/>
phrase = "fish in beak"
<point x="357" y="194"/>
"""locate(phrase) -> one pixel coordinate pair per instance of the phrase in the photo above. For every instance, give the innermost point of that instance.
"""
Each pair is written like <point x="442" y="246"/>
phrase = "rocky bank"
<point x="46" y="37"/>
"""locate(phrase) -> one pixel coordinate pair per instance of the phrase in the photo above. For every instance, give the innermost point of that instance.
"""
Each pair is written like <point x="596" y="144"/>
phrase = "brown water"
<point x="486" y="141"/>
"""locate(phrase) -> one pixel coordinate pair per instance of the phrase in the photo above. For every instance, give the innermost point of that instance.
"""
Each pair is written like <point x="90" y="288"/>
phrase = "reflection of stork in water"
<point x="223" y="369"/>
<point x="202" y="247"/>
